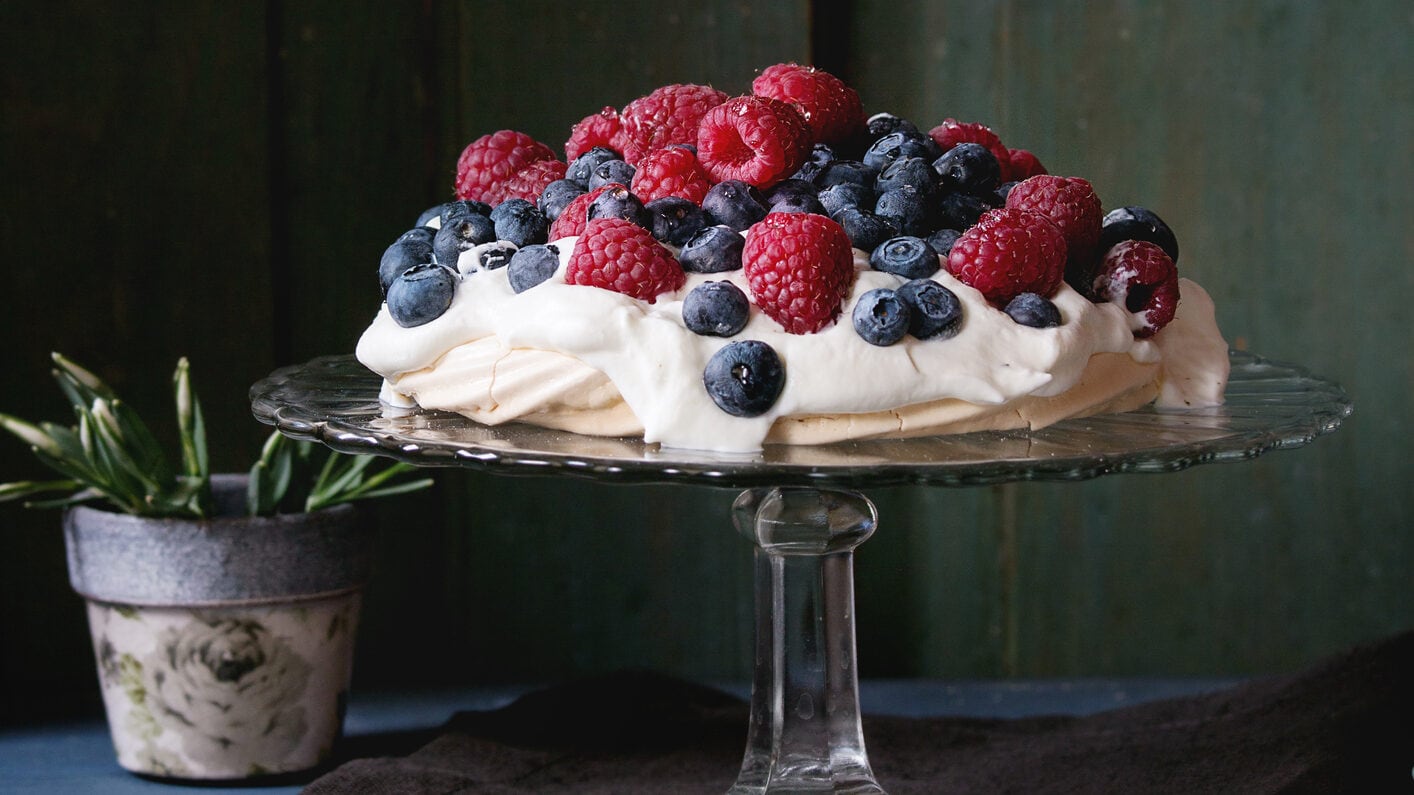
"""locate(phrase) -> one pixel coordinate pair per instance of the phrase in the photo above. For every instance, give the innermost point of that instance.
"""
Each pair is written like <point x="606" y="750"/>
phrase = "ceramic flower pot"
<point x="224" y="646"/>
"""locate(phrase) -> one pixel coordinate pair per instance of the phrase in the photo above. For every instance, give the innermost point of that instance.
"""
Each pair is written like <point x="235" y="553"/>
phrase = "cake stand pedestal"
<point x="803" y="511"/>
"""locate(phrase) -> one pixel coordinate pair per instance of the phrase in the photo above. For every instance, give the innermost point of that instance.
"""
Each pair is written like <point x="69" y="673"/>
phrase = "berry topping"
<point x="602" y="129"/>
<point x="582" y="167"/>
<point x="611" y="172"/>
<point x="838" y="172"/>
<point x="953" y="132"/>
<point x="757" y="140"/>
<point x="669" y="115"/>
<point x="675" y="220"/>
<point x="461" y="233"/>
<point x="575" y="215"/>
<point x="715" y="249"/>
<point x="530" y="182"/>
<point x="401" y="256"/>
<point x="1140" y="275"/>
<point x="614" y="254"/>
<point x="520" y="222"/>
<point x="434" y="211"/>
<point x="935" y="311"/>
<point x="907" y="208"/>
<point x="673" y="171"/>
<point x="532" y="265"/>
<point x="424" y="234"/>
<point x="1030" y="309"/>
<point x="799" y="268"/>
<point x="716" y="309"/>
<point x="1137" y="223"/>
<point x="1009" y="252"/>
<point x="830" y="108"/>
<point x="820" y="154"/>
<point x="734" y="203"/>
<point x="421" y="294"/>
<point x="969" y="168"/>
<point x="451" y="210"/>
<point x="881" y="124"/>
<point x="491" y="256"/>
<point x="615" y="201"/>
<point x="909" y="257"/>
<point x="744" y="378"/>
<point x="487" y="164"/>
<point x="942" y="241"/>
<point x="1021" y="165"/>
<point x="1073" y="207"/>
<point x="908" y="172"/>
<point x="557" y="196"/>
<point x="846" y="194"/>
<point x="880" y="317"/>
<point x="897" y="145"/>
<point x="791" y="190"/>
<point x="960" y="210"/>
<point x="866" y="231"/>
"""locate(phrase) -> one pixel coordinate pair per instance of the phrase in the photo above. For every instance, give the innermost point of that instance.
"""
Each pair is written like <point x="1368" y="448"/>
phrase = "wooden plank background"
<point x="218" y="181"/>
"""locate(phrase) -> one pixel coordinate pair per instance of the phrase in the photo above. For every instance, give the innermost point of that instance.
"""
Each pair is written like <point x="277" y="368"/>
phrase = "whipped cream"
<point x="560" y="349"/>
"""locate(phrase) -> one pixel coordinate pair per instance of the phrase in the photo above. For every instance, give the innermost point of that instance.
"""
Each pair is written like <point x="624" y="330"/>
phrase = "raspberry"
<point x="953" y="132"/>
<point x="673" y="171"/>
<point x="1140" y="275"/>
<point x="669" y="115"/>
<point x="614" y="254"/>
<point x="799" y="267"/>
<point x="831" y="108"/>
<point x="757" y="140"/>
<point x="530" y="182"/>
<point x="1009" y="252"/>
<point x="1071" y="204"/>
<point x="600" y="129"/>
<point x="487" y="163"/>
<point x="1020" y="165"/>
<point x="572" y="219"/>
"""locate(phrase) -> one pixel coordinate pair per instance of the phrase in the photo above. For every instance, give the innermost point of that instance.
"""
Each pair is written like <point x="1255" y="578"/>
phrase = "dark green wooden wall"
<point x="217" y="181"/>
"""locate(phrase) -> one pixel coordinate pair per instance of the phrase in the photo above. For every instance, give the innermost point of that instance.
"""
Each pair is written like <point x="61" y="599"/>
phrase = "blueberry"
<point x="421" y="294"/>
<point x="942" y="240"/>
<point x="459" y="233"/>
<point x="451" y="210"/>
<point x="935" y="311"/>
<point x="999" y="198"/>
<point x="906" y="256"/>
<point x="735" y="204"/>
<point x="820" y="154"/>
<point x="790" y="189"/>
<point x="846" y="194"/>
<point x="970" y="168"/>
<point x="558" y="195"/>
<point x="864" y="229"/>
<point x="434" y="211"/>
<point x="675" y="219"/>
<point x="520" y="222"/>
<point x="715" y="309"/>
<point x="491" y="256"/>
<point x="715" y="249"/>
<point x="880" y="318"/>
<point x="583" y="166"/>
<point x="618" y="202"/>
<point x="839" y="171"/>
<point x="531" y="266"/>
<point x="744" y="378"/>
<point x="399" y="257"/>
<point x="960" y="210"/>
<point x="1030" y="309"/>
<point x="1137" y="223"/>
<point x="881" y="124"/>
<point x="611" y="172"/>
<point x="799" y="204"/>
<point x="426" y="234"/>
<point x="898" y="145"/>
<point x="908" y="209"/>
<point x="912" y="172"/>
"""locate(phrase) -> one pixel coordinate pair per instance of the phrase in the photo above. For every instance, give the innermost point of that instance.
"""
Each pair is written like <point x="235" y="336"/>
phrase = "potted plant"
<point x="222" y="608"/>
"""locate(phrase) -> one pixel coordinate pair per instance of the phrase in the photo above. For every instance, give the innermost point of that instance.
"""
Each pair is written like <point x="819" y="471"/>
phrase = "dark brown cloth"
<point x="1346" y="725"/>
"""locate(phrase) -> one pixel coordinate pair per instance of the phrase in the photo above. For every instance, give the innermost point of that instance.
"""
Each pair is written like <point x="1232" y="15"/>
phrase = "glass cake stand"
<point x="802" y="509"/>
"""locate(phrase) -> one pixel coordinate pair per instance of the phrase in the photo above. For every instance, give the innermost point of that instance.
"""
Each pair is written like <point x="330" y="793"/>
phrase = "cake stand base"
<point x="804" y="734"/>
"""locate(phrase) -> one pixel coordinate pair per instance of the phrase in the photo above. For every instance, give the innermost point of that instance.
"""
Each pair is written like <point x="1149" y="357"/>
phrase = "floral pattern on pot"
<point x="224" y="693"/>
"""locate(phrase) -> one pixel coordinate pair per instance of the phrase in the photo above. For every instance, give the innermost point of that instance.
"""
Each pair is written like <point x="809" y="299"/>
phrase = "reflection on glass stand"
<point x="802" y="512"/>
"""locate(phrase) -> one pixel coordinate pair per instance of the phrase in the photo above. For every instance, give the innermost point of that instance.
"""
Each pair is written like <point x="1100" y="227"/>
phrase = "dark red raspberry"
<point x="953" y="132"/>
<point x="673" y="171"/>
<point x="1141" y="276"/>
<point x="487" y="163"/>
<point x="1021" y="165"/>
<point x="831" y="108"/>
<point x="1009" y="252"/>
<point x="757" y="140"/>
<point x="576" y="214"/>
<point x="799" y="266"/>
<point x="669" y="115"/>
<point x="614" y="254"/>
<point x="530" y="182"/>
<point x="1071" y="204"/>
<point x="600" y="129"/>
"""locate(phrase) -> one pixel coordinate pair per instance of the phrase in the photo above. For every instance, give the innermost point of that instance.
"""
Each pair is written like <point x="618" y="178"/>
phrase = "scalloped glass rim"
<point x="1270" y="405"/>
